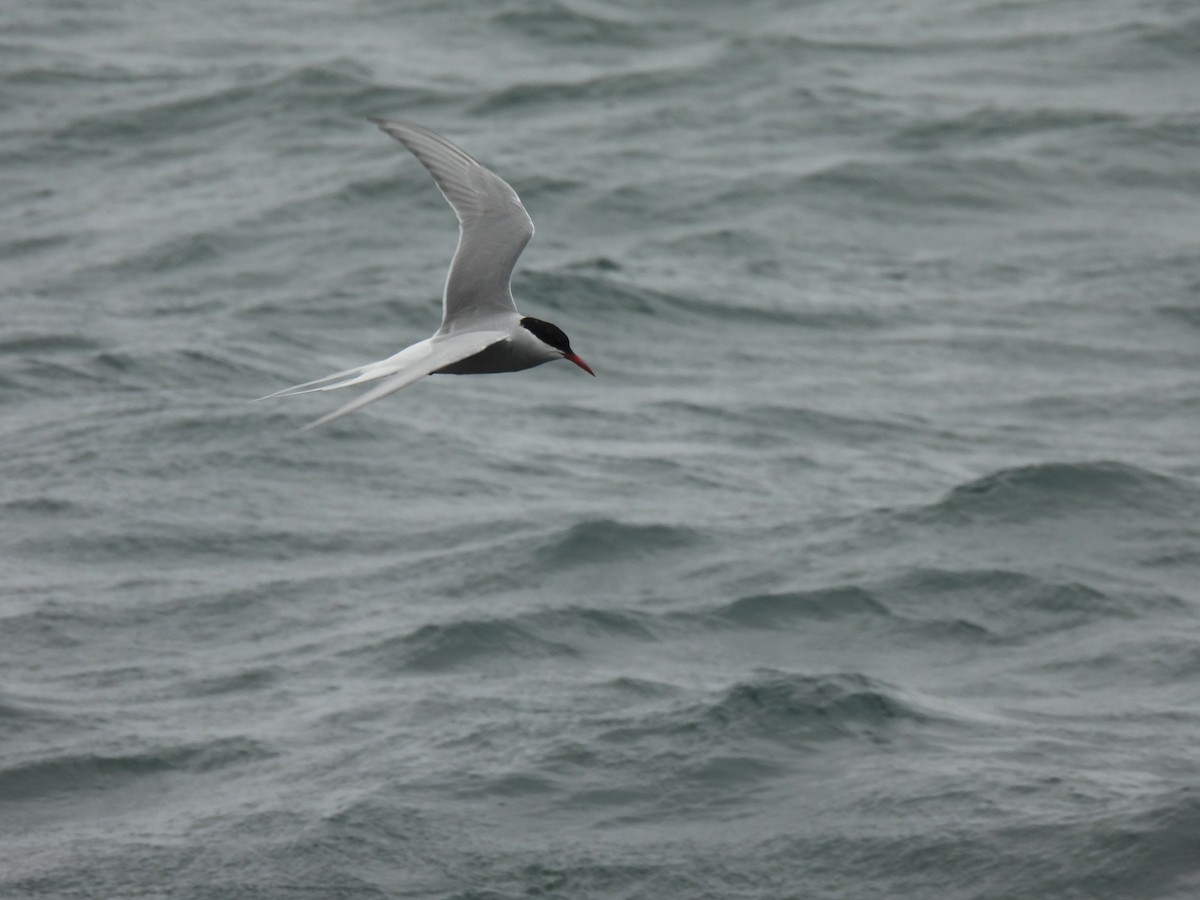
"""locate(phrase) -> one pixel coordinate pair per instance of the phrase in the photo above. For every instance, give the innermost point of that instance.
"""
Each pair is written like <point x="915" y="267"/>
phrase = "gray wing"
<point x="493" y="225"/>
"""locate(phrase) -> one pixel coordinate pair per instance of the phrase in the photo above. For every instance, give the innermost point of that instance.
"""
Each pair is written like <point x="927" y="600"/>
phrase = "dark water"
<point x="867" y="567"/>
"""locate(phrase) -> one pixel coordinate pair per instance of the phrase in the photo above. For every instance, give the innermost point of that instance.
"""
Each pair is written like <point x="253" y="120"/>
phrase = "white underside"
<point x="475" y="352"/>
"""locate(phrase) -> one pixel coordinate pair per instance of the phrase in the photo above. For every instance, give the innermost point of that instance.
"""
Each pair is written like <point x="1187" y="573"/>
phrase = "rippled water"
<point x="866" y="568"/>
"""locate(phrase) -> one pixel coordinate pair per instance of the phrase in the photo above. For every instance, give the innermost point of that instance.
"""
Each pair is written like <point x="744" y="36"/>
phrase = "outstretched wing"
<point x="398" y="371"/>
<point x="493" y="225"/>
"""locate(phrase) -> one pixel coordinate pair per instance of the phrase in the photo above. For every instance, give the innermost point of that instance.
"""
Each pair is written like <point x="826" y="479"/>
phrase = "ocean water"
<point x="867" y="568"/>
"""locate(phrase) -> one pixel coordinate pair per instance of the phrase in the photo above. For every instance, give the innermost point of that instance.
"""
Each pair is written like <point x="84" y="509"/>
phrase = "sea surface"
<point x="868" y="567"/>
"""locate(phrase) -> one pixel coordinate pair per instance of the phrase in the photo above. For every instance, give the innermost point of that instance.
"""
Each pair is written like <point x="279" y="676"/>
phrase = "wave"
<point x="776" y="422"/>
<point x="568" y="289"/>
<point x="48" y="506"/>
<point x="932" y="185"/>
<point x="1110" y="527"/>
<point x="40" y="778"/>
<point x="771" y="610"/>
<point x="31" y="245"/>
<point x="39" y="344"/>
<point x="1144" y="847"/>
<point x="1186" y="315"/>
<point x="1050" y="489"/>
<point x="307" y="92"/>
<point x="19" y="714"/>
<point x="783" y="707"/>
<point x="607" y="540"/>
<point x="987" y="126"/>
<point x="1155" y="661"/>
<point x="433" y="648"/>
<point x="1008" y="604"/>
<point x="542" y="634"/>
<point x="974" y="606"/>
<point x="850" y="606"/>
<point x="1153" y="45"/>
<point x="558" y="23"/>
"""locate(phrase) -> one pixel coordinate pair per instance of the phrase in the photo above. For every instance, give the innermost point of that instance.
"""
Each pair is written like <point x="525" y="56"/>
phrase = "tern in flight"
<point x="481" y="329"/>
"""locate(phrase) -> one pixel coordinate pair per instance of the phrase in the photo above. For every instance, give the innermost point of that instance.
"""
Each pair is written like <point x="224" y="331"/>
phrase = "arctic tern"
<point x="481" y="330"/>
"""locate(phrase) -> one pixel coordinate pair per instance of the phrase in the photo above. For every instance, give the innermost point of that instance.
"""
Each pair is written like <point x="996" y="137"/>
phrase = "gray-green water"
<point x="867" y="568"/>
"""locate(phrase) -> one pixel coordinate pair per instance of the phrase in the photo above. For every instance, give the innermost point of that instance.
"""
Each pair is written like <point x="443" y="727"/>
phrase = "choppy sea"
<point x="868" y="567"/>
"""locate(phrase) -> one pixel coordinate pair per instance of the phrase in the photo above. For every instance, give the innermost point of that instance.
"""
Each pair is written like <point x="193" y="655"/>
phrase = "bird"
<point x="481" y="330"/>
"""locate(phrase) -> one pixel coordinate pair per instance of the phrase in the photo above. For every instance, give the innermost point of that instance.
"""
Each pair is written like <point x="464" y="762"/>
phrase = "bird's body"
<point x="481" y="330"/>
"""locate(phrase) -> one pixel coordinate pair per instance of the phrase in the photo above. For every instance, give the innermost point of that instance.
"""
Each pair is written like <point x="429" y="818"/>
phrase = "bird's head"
<point x="554" y="337"/>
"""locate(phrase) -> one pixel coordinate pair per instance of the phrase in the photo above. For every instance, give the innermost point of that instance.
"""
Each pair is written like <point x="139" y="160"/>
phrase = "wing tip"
<point x="325" y="419"/>
<point x="386" y="123"/>
<point x="309" y="427"/>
